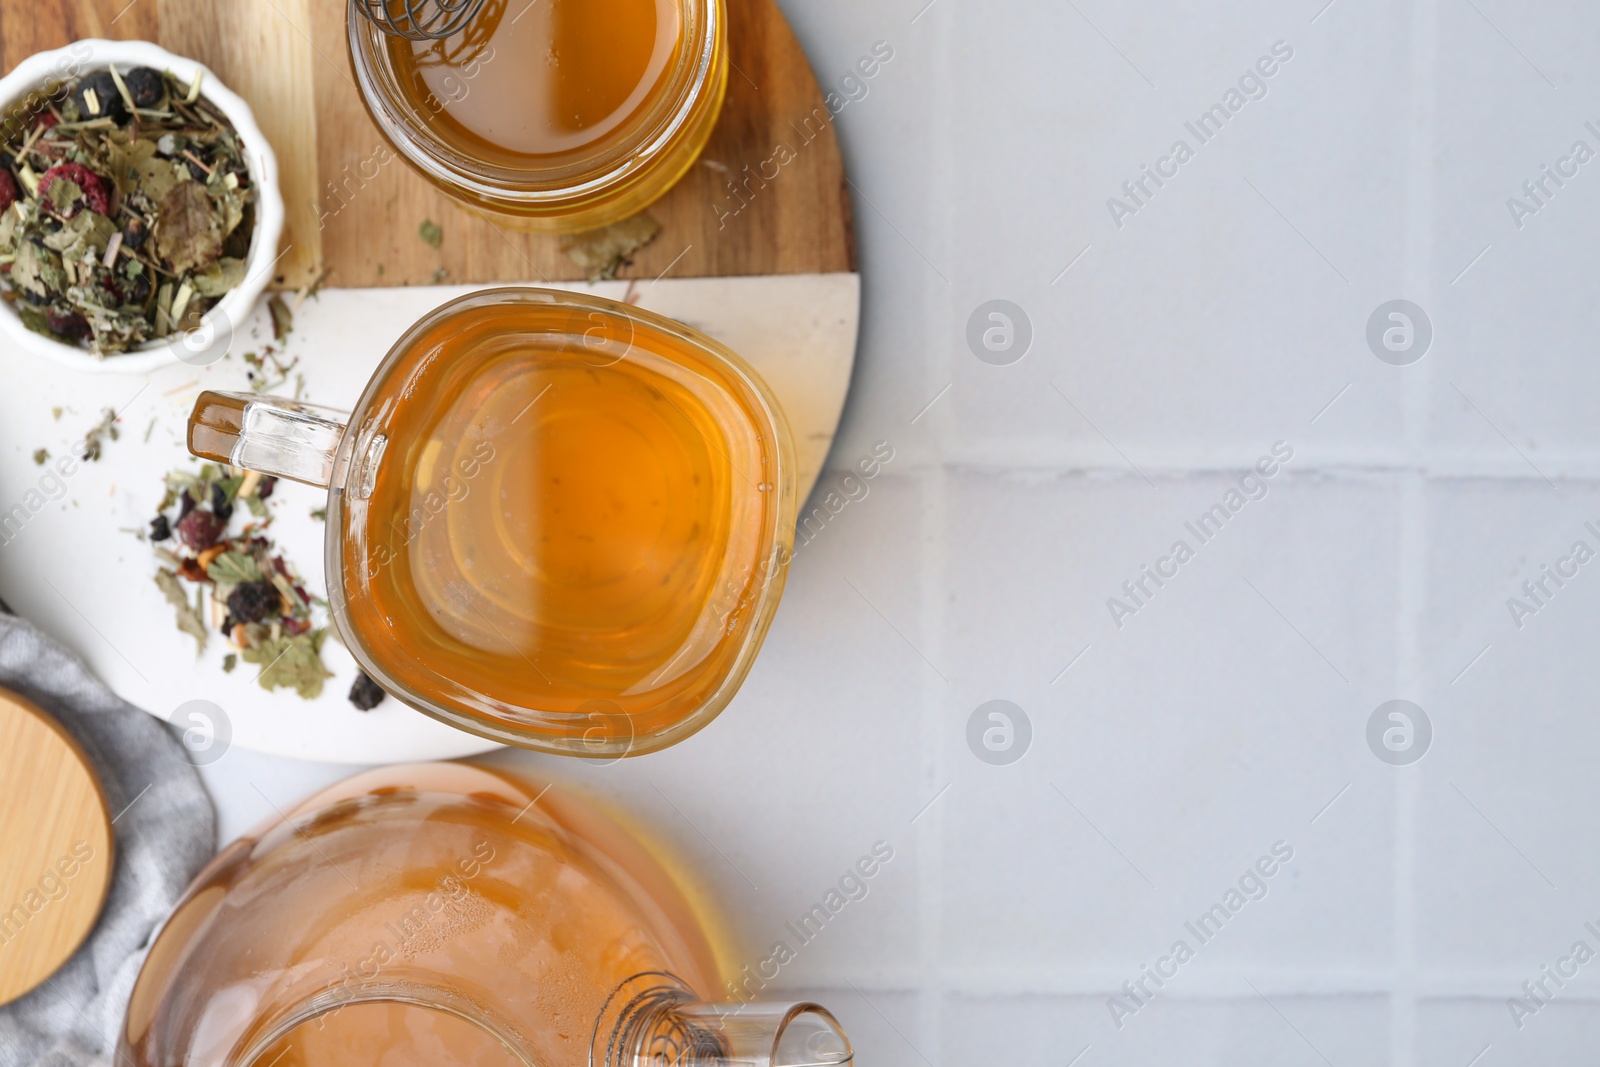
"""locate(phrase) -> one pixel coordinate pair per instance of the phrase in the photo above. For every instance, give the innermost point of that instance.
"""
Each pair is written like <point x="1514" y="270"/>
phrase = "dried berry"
<point x="97" y="95"/>
<point x="46" y="121"/>
<point x="366" y="694"/>
<point x="135" y="233"/>
<point x="10" y="192"/>
<point x="220" y="504"/>
<point x="70" y="325"/>
<point x="268" y="484"/>
<point x="144" y="85"/>
<point x="160" y="528"/>
<point x="255" y="602"/>
<point x="185" y="505"/>
<point x="95" y="189"/>
<point x="200" y="529"/>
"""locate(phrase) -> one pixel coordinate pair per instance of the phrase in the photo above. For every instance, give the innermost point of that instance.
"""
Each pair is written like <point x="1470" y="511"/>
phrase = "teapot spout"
<point x="651" y="1020"/>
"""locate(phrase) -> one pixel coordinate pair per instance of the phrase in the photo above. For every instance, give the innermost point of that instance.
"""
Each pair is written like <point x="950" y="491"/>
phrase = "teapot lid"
<point x="55" y="846"/>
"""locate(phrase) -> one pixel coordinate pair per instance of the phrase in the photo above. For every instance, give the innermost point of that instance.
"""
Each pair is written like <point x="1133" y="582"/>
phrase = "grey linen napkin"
<point x="165" y="832"/>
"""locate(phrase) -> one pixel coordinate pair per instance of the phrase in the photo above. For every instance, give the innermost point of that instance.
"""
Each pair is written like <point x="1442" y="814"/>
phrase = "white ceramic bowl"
<point x="82" y="57"/>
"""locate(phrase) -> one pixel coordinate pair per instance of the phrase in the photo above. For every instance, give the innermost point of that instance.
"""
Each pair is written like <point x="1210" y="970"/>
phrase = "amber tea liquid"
<point x="553" y="519"/>
<point x="536" y="83"/>
<point x="541" y="908"/>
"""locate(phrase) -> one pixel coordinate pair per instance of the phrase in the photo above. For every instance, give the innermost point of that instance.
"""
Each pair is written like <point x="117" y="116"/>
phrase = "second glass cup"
<point x="553" y="520"/>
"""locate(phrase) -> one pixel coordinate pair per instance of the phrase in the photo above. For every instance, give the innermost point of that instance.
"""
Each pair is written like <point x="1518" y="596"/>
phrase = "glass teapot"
<point x="441" y="914"/>
<point x="553" y="520"/>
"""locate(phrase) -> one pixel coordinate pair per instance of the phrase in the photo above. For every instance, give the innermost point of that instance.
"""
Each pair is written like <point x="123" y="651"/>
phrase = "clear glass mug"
<point x="560" y="116"/>
<point x="445" y="914"/>
<point x="553" y="520"/>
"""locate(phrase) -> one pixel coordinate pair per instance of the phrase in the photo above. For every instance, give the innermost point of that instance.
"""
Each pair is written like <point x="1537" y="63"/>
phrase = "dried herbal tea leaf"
<point x="152" y="174"/>
<point x="94" y="440"/>
<point x="292" y="663"/>
<point x="269" y="369"/>
<point x="431" y="234"/>
<point x="602" y="252"/>
<point x="226" y="273"/>
<point x="41" y="456"/>
<point x="229" y="662"/>
<point x="64" y="194"/>
<point x="233" y="568"/>
<point x="188" y="234"/>
<point x="282" y="318"/>
<point x="188" y="618"/>
<point x="32" y="268"/>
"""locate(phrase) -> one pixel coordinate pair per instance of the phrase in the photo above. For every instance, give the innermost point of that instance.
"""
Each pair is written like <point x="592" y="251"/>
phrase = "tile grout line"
<point x="1414" y="533"/>
<point x="936" y="696"/>
<point x="1411" y="606"/>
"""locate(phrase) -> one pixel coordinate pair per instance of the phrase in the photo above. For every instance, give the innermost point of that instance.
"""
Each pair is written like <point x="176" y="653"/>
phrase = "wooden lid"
<point x="56" y="848"/>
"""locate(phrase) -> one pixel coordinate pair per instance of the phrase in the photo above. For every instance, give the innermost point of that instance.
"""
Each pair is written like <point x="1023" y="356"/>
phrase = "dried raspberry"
<point x="10" y="193"/>
<point x="200" y="529"/>
<point x="96" y="190"/>
<point x="71" y="325"/>
<point x="268" y="484"/>
<point x="255" y="601"/>
<point x="46" y="121"/>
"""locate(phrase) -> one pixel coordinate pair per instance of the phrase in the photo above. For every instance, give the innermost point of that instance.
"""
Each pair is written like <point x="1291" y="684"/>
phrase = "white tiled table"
<point x="1229" y="712"/>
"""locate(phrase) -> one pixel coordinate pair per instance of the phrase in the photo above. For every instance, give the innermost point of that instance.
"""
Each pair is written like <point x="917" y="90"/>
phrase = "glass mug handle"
<point x="266" y="434"/>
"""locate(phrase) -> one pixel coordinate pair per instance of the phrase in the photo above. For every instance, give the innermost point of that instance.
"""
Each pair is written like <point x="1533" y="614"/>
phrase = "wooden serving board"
<point x="288" y="58"/>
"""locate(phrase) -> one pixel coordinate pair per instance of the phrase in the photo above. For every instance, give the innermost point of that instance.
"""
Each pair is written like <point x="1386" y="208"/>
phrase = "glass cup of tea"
<point x="553" y="520"/>
<point x="562" y="115"/>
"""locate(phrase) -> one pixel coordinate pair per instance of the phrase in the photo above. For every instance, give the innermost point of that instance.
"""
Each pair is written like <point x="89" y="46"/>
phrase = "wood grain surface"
<point x="357" y="220"/>
<point x="55" y="847"/>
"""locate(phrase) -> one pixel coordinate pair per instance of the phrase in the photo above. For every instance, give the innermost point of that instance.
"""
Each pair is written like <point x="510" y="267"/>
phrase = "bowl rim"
<point x="58" y="64"/>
